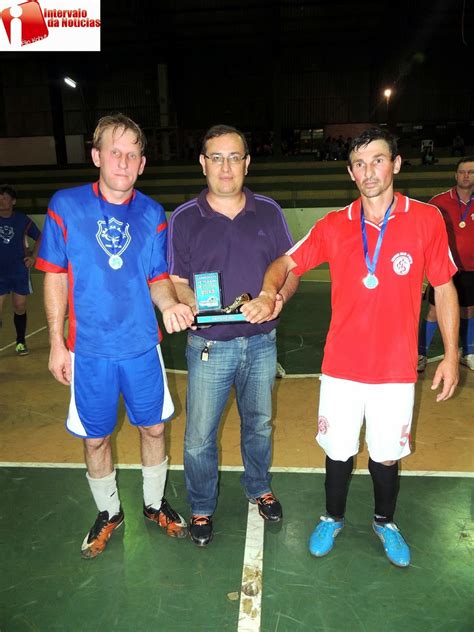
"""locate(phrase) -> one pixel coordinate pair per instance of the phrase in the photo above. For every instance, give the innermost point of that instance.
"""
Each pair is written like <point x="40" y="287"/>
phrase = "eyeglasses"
<point x="218" y="159"/>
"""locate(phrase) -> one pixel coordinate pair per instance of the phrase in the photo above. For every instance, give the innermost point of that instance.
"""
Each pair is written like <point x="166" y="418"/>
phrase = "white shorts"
<point x="388" y="412"/>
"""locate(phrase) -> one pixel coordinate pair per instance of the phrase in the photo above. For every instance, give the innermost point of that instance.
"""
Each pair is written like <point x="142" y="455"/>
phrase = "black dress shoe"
<point x="200" y="530"/>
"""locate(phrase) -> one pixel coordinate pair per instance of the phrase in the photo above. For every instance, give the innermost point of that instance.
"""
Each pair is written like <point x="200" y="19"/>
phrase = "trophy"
<point x="208" y="293"/>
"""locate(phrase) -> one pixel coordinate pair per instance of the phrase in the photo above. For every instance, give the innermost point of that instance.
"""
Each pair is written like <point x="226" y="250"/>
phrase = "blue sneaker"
<point x="322" y="538"/>
<point x="395" y="547"/>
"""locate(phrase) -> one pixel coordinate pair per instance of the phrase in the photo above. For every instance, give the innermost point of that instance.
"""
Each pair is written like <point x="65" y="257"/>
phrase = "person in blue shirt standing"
<point x="104" y="254"/>
<point x="16" y="261"/>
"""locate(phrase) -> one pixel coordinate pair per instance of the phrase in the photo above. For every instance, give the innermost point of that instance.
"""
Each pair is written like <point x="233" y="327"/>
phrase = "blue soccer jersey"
<point x="13" y="246"/>
<point x="111" y="254"/>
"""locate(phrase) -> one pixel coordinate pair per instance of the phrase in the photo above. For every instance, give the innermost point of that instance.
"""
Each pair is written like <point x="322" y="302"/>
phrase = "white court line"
<point x="293" y="376"/>
<point x="13" y="344"/>
<point x="234" y="468"/>
<point x="300" y="376"/>
<point x="315" y="280"/>
<point x="250" y="609"/>
<point x="252" y="572"/>
<point x="288" y="376"/>
<point x="435" y="359"/>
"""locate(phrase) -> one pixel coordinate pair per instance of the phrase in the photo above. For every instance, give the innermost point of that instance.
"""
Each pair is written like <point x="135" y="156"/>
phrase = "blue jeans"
<point x="248" y="364"/>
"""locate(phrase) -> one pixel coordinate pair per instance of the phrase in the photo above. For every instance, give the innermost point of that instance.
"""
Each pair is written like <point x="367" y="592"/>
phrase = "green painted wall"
<point x="300" y="220"/>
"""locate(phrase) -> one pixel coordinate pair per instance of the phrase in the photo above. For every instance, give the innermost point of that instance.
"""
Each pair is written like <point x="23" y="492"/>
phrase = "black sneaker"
<point x="200" y="529"/>
<point x="168" y="519"/>
<point x="97" y="538"/>
<point x="268" y="507"/>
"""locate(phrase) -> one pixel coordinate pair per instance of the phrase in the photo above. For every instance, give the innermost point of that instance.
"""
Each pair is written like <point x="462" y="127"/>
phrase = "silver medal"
<point x="115" y="262"/>
<point x="370" y="281"/>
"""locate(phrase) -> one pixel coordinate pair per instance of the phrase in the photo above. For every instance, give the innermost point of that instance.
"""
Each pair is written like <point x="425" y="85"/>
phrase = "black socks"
<point x="19" y="321"/>
<point x="336" y="484"/>
<point x="385" y="481"/>
<point x="386" y="485"/>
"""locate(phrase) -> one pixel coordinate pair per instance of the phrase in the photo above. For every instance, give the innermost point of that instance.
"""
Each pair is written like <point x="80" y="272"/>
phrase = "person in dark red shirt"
<point x="378" y="249"/>
<point x="457" y="207"/>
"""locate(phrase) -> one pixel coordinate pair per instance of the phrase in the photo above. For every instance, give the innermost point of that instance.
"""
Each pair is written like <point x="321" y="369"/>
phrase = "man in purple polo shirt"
<point x="230" y="230"/>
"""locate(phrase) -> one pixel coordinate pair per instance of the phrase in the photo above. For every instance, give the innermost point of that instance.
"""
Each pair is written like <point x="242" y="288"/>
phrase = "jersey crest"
<point x="113" y="236"/>
<point x="6" y="234"/>
<point x="401" y="263"/>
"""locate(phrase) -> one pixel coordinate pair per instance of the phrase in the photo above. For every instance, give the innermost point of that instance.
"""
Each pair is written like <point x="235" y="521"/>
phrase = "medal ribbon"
<point x="468" y="206"/>
<point x="372" y="265"/>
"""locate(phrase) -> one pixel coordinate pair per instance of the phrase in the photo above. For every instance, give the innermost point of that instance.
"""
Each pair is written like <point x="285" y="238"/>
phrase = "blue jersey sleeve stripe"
<point x="59" y="221"/>
<point x="160" y="277"/>
<point x="46" y="266"/>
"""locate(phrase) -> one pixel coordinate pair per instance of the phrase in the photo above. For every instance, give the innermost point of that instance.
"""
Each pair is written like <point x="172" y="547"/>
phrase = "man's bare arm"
<point x="277" y="280"/>
<point x="447" y="310"/>
<point x="55" y="301"/>
<point x="30" y="259"/>
<point x="177" y="316"/>
<point x="283" y="296"/>
<point x="184" y="291"/>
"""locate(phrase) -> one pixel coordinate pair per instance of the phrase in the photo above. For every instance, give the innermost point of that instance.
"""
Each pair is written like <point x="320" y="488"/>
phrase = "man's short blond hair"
<point x="116" y="122"/>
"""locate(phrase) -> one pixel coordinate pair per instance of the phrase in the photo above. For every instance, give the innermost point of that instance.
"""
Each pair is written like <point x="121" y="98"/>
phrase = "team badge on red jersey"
<point x="401" y="263"/>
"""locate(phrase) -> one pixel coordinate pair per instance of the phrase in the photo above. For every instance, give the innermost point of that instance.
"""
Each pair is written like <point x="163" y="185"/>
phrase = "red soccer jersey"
<point x="461" y="240"/>
<point x="373" y="334"/>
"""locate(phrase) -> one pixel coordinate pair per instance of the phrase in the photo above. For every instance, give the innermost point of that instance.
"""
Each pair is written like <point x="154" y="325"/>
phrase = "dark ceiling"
<point x="207" y="34"/>
<point x="229" y="28"/>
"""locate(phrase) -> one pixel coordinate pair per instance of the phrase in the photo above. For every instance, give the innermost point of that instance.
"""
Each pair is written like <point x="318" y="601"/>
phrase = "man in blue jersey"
<point x="16" y="260"/>
<point x="232" y="231"/>
<point x="104" y="254"/>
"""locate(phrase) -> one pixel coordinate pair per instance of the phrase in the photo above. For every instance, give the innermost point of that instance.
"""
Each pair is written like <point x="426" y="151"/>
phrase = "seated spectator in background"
<point x="334" y="149"/>
<point x="347" y="144"/>
<point x="340" y="146"/>
<point x="326" y="153"/>
<point x="458" y="146"/>
<point x="428" y="157"/>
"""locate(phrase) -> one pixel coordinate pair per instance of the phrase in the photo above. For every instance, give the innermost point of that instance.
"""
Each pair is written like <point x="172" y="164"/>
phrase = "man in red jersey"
<point x="457" y="207"/>
<point x="378" y="249"/>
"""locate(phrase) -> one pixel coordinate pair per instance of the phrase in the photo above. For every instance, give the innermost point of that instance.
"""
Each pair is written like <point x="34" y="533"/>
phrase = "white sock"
<point x="105" y="493"/>
<point x="154" y="480"/>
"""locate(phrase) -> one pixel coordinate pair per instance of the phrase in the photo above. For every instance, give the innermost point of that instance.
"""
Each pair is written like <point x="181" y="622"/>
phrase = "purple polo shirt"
<point x="241" y="249"/>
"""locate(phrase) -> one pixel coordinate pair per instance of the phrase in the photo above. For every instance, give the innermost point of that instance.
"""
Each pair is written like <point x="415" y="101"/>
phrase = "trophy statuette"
<point x="208" y="293"/>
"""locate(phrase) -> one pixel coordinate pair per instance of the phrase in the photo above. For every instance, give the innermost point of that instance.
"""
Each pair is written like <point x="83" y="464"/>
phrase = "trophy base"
<point x="218" y="318"/>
